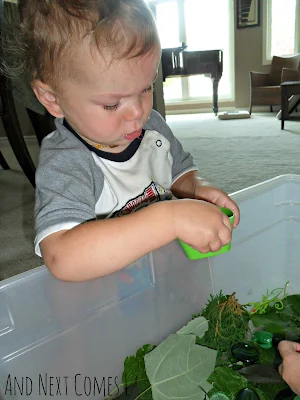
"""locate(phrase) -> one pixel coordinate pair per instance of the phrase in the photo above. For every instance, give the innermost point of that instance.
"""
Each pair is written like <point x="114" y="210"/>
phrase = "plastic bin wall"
<point x="69" y="340"/>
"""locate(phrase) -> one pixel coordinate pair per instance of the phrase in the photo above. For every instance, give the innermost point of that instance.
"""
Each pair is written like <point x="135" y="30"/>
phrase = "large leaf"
<point x="197" y="326"/>
<point x="279" y="321"/>
<point x="291" y="310"/>
<point x="178" y="368"/>
<point x="226" y="380"/>
<point x="271" y="322"/>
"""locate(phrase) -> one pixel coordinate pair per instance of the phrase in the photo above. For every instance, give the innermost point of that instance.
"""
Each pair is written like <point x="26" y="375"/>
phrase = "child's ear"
<point x="47" y="97"/>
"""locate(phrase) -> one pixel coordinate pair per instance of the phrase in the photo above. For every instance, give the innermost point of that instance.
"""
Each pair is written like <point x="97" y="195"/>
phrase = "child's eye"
<point x="111" y="108"/>
<point x="149" y="89"/>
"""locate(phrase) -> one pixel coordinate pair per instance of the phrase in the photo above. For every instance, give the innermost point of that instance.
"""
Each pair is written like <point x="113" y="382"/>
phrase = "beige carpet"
<point x="232" y="154"/>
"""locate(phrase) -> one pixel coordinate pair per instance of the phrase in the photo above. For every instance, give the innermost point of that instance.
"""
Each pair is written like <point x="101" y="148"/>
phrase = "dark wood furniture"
<point x="3" y="162"/>
<point x="13" y="131"/>
<point x="288" y="89"/>
<point x="180" y="62"/>
<point x="10" y="121"/>
<point x="42" y="124"/>
<point x="265" y="88"/>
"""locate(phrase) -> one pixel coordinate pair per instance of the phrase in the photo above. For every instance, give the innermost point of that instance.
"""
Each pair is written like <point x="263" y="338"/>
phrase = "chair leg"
<point x="250" y="111"/>
<point x="271" y="108"/>
<point x="18" y="145"/>
<point x="295" y="107"/>
<point x="42" y="124"/>
<point x="3" y="162"/>
<point x="13" y="131"/>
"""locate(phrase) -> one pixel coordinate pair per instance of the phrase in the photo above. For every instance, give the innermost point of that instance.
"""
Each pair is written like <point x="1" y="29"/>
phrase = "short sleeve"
<point x="66" y="189"/>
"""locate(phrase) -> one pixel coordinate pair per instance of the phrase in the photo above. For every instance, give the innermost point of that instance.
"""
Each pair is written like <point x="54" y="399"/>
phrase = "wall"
<point x="248" y="47"/>
<point x="248" y="57"/>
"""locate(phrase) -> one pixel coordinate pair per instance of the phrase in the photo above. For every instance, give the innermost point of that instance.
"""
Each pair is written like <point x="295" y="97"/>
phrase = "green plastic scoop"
<point x="193" y="254"/>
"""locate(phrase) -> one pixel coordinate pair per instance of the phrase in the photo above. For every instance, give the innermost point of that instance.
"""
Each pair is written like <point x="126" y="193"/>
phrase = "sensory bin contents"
<point x="228" y="351"/>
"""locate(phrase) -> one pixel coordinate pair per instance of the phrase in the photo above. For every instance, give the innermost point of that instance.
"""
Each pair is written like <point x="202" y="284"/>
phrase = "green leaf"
<point x="135" y="372"/>
<point x="279" y="321"/>
<point x="228" y="323"/>
<point x="197" y="326"/>
<point x="291" y="311"/>
<point x="178" y="367"/>
<point x="271" y="322"/>
<point x="130" y="393"/>
<point x="270" y="390"/>
<point x="266" y="356"/>
<point x="129" y="376"/>
<point x="262" y="395"/>
<point x="142" y="378"/>
<point x="226" y="380"/>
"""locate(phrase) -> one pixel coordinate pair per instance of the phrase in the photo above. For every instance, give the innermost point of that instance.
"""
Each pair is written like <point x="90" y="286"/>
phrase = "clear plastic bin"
<point x="69" y="340"/>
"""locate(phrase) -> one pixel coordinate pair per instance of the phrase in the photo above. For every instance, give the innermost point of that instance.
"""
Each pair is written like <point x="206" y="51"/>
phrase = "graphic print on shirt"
<point x="152" y="194"/>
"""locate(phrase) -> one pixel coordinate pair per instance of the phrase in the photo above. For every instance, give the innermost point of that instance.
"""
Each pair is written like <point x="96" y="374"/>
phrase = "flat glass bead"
<point x="263" y="339"/>
<point x="219" y="396"/>
<point x="245" y="352"/>
<point x="247" y="394"/>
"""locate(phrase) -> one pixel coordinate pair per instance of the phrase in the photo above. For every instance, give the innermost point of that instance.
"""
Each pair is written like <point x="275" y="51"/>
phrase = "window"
<point x="281" y="22"/>
<point x="202" y="25"/>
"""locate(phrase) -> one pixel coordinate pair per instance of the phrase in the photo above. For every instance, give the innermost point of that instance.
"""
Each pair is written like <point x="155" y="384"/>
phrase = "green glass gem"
<point x="245" y="352"/>
<point x="219" y="396"/>
<point x="263" y="339"/>
<point x="247" y="394"/>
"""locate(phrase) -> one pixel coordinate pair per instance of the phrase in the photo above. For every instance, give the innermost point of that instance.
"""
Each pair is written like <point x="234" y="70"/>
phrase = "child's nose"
<point x="134" y="110"/>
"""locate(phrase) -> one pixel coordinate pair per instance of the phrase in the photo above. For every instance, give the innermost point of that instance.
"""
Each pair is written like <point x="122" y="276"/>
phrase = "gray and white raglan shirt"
<point x="76" y="183"/>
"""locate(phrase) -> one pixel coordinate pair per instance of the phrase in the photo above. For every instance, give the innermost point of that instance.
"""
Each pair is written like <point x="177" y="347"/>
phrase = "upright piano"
<point x="180" y="62"/>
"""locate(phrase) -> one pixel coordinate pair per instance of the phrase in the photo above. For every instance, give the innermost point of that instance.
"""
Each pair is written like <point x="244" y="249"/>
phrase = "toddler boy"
<point x="93" y="64"/>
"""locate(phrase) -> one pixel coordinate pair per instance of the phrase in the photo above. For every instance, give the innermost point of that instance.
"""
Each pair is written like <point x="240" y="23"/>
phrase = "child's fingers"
<point x="286" y="347"/>
<point x="227" y="223"/>
<point x="236" y="211"/>
<point x="227" y="202"/>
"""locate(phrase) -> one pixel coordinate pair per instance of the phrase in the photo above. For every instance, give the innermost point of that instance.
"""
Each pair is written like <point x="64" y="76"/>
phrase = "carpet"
<point x="16" y="225"/>
<point x="232" y="154"/>
<point x="233" y="164"/>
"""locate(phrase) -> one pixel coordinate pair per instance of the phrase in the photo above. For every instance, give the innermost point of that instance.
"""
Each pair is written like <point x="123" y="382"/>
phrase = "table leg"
<point x="215" y="95"/>
<point x="284" y="105"/>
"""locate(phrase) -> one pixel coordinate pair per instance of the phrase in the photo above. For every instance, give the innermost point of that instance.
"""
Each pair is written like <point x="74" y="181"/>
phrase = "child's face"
<point x="109" y="105"/>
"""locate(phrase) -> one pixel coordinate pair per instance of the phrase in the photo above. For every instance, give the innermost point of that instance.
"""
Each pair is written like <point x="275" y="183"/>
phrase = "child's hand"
<point x="216" y="196"/>
<point x="192" y="186"/>
<point x="201" y="225"/>
<point x="290" y="367"/>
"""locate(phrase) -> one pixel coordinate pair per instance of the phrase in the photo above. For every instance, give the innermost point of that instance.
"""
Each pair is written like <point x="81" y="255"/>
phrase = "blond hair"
<point x="49" y="30"/>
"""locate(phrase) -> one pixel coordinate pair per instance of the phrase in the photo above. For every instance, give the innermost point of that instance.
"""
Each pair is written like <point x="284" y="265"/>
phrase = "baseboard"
<point x="200" y="111"/>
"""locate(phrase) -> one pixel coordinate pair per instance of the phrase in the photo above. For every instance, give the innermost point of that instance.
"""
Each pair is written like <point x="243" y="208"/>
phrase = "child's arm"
<point x="192" y="186"/>
<point x="99" y="248"/>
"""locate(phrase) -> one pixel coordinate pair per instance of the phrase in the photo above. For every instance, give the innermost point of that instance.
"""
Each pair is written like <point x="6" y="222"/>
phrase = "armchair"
<point x="265" y="87"/>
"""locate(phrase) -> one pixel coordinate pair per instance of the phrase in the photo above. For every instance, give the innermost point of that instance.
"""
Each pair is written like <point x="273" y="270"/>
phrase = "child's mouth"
<point x="133" y="135"/>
